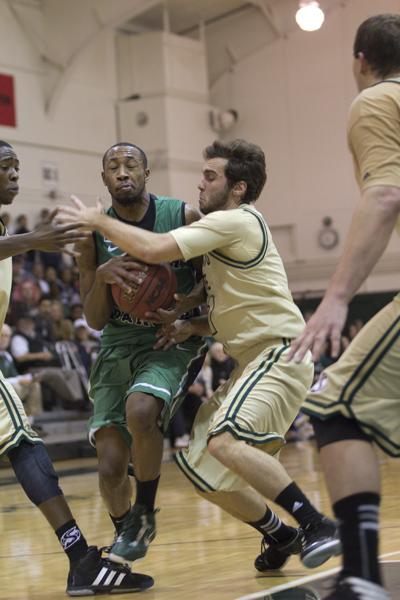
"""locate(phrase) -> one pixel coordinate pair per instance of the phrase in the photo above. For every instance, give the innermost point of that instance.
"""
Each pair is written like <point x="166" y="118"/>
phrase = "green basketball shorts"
<point x="124" y="369"/>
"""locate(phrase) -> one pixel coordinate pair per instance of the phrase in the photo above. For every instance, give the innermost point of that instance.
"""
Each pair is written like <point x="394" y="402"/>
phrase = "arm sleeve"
<point x="216" y="230"/>
<point x="375" y="144"/>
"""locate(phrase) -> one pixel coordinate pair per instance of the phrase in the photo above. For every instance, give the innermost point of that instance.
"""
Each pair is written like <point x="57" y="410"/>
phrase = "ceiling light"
<point x="310" y="16"/>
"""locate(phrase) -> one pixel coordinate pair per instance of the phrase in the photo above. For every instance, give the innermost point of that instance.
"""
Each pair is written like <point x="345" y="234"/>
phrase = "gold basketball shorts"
<point x="257" y="405"/>
<point x="14" y="425"/>
<point x="364" y="384"/>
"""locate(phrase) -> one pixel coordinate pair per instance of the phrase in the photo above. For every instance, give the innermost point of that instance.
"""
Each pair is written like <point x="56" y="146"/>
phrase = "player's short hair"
<point x="141" y="152"/>
<point x="246" y="162"/>
<point x="378" y="38"/>
<point x="6" y="144"/>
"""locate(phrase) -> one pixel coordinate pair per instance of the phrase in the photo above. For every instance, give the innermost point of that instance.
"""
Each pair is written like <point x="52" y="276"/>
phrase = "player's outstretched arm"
<point x="370" y="230"/>
<point x="47" y="237"/>
<point x="149" y="247"/>
<point x="184" y="302"/>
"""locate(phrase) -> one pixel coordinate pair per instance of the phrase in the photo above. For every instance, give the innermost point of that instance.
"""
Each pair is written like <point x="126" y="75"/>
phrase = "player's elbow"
<point x="96" y="323"/>
<point x="387" y="198"/>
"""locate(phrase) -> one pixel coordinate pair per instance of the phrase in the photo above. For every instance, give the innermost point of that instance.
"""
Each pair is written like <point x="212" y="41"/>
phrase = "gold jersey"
<point x="5" y="280"/>
<point x="374" y="135"/>
<point x="249" y="302"/>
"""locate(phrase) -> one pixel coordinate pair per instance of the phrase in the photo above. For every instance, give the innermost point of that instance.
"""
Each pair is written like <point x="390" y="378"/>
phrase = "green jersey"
<point x="163" y="215"/>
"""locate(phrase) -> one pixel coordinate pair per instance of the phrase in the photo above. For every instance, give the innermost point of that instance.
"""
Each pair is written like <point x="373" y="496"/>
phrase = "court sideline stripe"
<point x="291" y="584"/>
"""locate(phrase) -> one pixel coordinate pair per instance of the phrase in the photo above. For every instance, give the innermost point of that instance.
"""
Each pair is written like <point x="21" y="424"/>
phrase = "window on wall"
<point x="7" y="101"/>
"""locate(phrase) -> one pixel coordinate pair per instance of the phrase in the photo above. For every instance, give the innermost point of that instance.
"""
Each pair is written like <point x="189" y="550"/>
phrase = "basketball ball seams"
<point x="156" y="291"/>
<point x="142" y="290"/>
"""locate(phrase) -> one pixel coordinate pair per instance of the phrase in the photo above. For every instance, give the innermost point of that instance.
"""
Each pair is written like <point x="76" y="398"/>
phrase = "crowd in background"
<point x="47" y="348"/>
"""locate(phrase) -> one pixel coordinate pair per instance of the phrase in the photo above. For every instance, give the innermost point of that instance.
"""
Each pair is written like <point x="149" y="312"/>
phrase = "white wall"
<point x="164" y="77"/>
<point x="81" y="124"/>
<point x="293" y="97"/>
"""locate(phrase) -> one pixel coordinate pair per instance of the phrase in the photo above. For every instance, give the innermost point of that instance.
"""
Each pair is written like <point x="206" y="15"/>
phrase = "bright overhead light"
<point x="310" y="16"/>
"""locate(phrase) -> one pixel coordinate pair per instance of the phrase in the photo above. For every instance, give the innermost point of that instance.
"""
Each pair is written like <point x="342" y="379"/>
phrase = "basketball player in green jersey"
<point x="356" y="400"/>
<point x="237" y="434"/>
<point x="89" y="574"/>
<point x="134" y="387"/>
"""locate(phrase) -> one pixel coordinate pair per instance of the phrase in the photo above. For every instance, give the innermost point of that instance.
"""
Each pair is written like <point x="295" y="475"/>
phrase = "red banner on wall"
<point x="7" y="101"/>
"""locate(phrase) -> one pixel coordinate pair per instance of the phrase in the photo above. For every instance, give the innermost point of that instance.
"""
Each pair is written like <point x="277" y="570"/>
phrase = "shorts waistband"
<point x="251" y="352"/>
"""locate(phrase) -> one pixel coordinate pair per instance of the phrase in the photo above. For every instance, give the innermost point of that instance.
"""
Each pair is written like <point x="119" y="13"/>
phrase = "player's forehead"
<point x="7" y="153"/>
<point x="215" y="165"/>
<point x="122" y="153"/>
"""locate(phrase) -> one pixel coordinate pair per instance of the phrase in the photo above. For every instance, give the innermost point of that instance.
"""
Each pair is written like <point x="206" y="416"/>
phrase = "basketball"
<point x="156" y="291"/>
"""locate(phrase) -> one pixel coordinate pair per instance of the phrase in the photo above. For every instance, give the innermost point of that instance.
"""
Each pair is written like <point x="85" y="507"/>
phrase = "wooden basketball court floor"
<point x="199" y="553"/>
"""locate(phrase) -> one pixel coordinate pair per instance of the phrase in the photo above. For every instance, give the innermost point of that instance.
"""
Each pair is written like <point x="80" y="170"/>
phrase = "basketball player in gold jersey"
<point x="356" y="400"/>
<point x="232" y="457"/>
<point x="89" y="574"/>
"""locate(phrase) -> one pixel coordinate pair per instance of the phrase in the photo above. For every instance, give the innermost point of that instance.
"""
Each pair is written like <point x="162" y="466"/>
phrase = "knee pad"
<point x="35" y="472"/>
<point x="337" y="429"/>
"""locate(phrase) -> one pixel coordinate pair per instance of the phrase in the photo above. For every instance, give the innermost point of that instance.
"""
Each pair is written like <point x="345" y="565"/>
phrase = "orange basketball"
<point x="156" y="291"/>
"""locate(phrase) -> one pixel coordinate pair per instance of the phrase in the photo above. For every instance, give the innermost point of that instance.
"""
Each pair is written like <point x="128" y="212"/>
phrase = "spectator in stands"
<point x="75" y="277"/>
<point x="19" y="272"/>
<point x="68" y="295"/>
<point x="324" y="360"/>
<point x="195" y="397"/>
<point x="219" y="369"/>
<point x="26" y="386"/>
<point x="221" y="365"/>
<point x="21" y="226"/>
<point x="86" y="346"/>
<point x="48" y="259"/>
<point x="51" y="276"/>
<point x="352" y="330"/>
<point x="67" y="331"/>
<point x="30" y="351"/>
<point x="44" y="322"/>
<point x="76" y="312"/>
<point x="58" y="318"/>
<point x="51" y="259"/>
<point x="25" y="297"/>
<point x="178" y="431"/>
<point x="38" y="277"/>
<point x="60" y="387"/>
<point x="44" y="216"/>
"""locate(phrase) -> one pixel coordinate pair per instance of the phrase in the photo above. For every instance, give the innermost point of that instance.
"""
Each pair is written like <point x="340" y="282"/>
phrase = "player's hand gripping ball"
<point x="156" y="291"/>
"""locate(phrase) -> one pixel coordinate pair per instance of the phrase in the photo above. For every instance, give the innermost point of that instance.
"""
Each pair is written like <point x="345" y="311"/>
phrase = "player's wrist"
<point x="98" y="222"/>
<point x="339" y="295"/>
<point x="100" y="276"/>
<point x="29" y="241"/>
<point x="188" y="328"/>
<point x="199" y="326"/>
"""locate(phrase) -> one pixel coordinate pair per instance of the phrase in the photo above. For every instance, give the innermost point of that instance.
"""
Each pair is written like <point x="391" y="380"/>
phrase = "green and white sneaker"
<point x="138" y="531"/>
